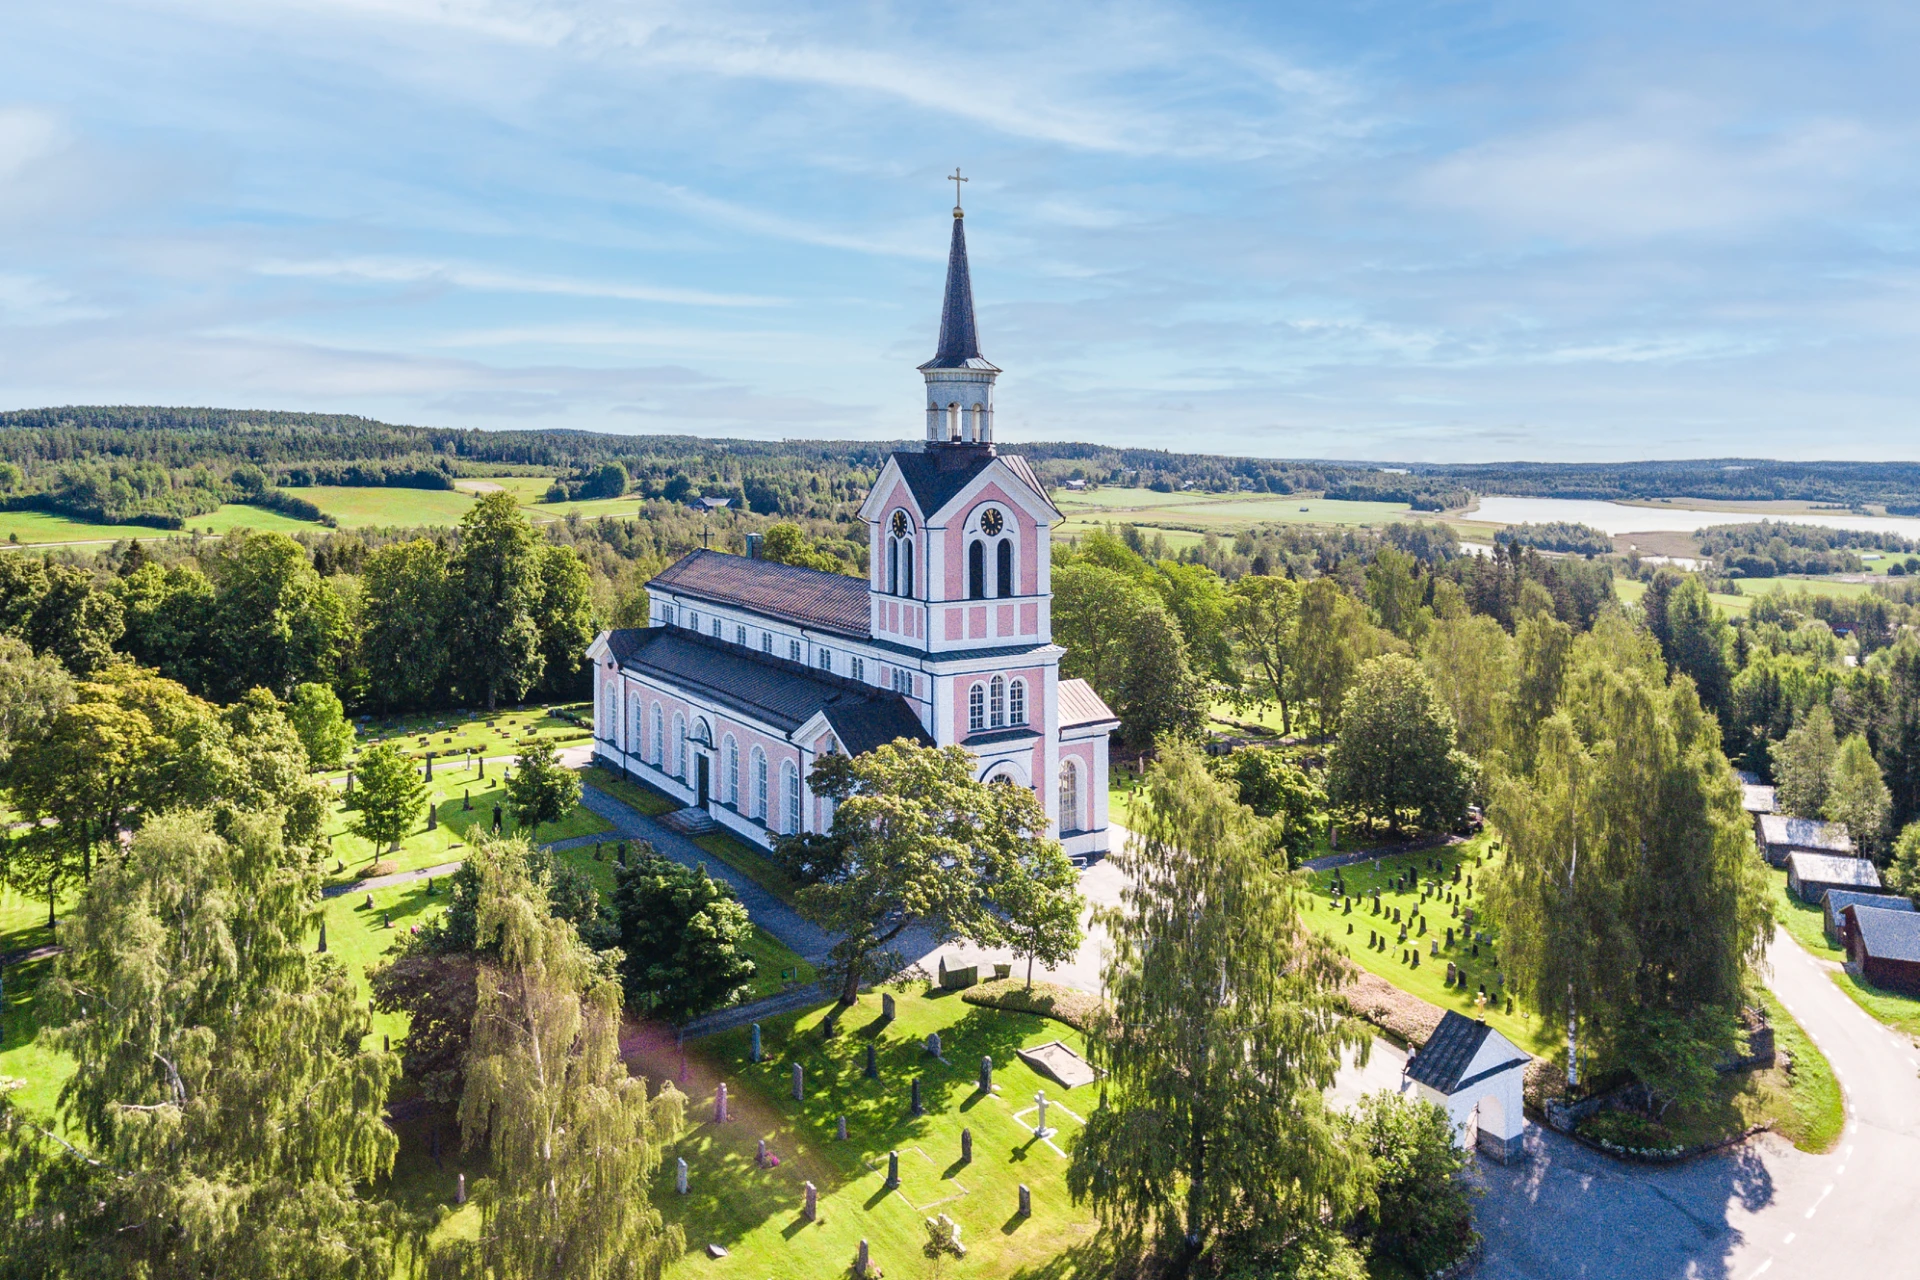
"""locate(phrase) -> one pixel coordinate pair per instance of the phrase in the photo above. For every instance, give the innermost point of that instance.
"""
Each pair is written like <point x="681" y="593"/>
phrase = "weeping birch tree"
<point x="1224" y="1026"/>
<point x="574" y="1139"/>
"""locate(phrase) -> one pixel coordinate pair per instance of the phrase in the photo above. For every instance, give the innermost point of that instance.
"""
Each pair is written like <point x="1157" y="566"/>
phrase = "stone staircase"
<point x="690" y="821"/>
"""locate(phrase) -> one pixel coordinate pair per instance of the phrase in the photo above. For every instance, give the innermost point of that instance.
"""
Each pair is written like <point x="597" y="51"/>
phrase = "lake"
<point x="1619" y="517"/>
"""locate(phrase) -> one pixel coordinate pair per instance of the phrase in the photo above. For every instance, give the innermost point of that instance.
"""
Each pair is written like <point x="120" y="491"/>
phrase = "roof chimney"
<point x="753" y="546"/>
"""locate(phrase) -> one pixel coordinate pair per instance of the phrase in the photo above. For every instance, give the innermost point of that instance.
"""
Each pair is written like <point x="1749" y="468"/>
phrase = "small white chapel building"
<point x="1478" y="1078"/>
<point x="748" y="671"/>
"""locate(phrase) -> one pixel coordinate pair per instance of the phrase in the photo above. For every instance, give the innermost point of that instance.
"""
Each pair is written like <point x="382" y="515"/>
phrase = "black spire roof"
<point x="959" y="342"/>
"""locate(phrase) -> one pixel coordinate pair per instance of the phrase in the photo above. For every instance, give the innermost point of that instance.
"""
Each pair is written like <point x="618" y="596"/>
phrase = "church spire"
<point x="959" y="379"/>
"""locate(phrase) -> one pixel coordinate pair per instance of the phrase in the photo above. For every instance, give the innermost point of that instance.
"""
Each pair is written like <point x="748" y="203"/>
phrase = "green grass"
<point x="38" y="528"/>
<point x="1805" y="923"/>
<point x="755" y="1212"/>
<point x="1812" y="1112"/>
<point x="630" y="793"/>
<point x="750" y="862"/>
<point x="1185" y="517"/>
<point x="454" y="733"/>
<point x="1901" y="1012"/>
<point x="357" y="507"/>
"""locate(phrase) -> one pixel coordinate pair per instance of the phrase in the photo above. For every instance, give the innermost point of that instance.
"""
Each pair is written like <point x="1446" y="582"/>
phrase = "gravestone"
<point x="433" y="818"/>
<point x="323" y="937"/>
<point x="886" y="1006"/>
<point x="760" y="1154"/>
<point x="933" y="1044"/>
<point x="860" y="1262"/>
<point x="966" y="1146"/>
<point x="349" y="782"/>
<point x="753" y="1051"/>
<point x="429" y="766"/>
<point x="720" y="1103"/>
<point x="812" y="1209"/>
<point x="369" y="903"/>
<point x="799" y="1081"/>
<point x="873" y="1062"/>
<point x="1026" y="1201"/>
<point x="496" y="819"/>
<point x="830" y="1026"/>
<point x="1040" y="1129"/>
<point x="1433" y="947"/>
<point x="386" y="920"/>
<point x="460" y="1189"/>
<point x="986" y="1066"/>
<point x="893" y="1169"/>
<point x="680" y="1176"/>
<point x="840" y="1130"/>
<point x="918" y="1110"/>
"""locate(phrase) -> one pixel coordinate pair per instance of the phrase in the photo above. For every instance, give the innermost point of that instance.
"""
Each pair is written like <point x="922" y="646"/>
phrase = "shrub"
<point x="1062" y="1004"/>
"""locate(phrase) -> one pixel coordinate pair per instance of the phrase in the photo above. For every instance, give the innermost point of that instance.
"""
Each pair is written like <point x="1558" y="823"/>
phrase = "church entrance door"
<point x="700" y="768"/>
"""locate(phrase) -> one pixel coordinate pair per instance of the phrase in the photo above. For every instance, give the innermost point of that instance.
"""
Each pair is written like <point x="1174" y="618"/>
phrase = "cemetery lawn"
<point x="454" y="733"/>
<point x="755" y="1213"/>
<point x="1801" y="1104"/>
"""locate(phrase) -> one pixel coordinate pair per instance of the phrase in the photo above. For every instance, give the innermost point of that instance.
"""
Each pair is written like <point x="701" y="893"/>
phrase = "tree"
<point x="1396" y="758"/>
<point x="495" y="584"/>
<point x="59" y="610"/>
<point x="922" y="839"/>
<point x="574" y="1139"/>
<point x="1857" y="796"/>
<point x="388" y="796"/>
<point x="1543" y="646"/>
<point x="321" y="722"/>
<point x="1275" y="789"/>
<point x="1091" y="604"/>
<point x="1629" y="890"/>
<point x="1803" y="763"/>
<point x="1263" y="625"/>
<point x="1040" y="898"/>
<point x="276" y="622"/>
<point x="222" y="1108"/>
<point x="1471" y="663"/>
<point x="1337" y="638"/>
<point x="610" y="480"/>
<point x="787" y="543"/>
<point x="540" y="788"/>
<point x="1903" y="875"/>
<point x="685" y="939"/>
<point x="33" y="690"/>
<point x="169" y="620"/>
<point x="1698" y="642"/>
<point x="565" y="620"/>
<point x="1199" y="602"/>
<point x="1395" y="592"/>
<point x="406" y="640"/>
<point x="1121" y="639"/>
<point x="1422" y="1215"/>
<point x="1224" y="1027"/>
<point x="1160" y="696"/>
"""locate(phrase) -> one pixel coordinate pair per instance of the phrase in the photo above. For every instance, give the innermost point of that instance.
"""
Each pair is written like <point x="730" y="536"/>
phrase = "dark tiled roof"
<point x="1079" y="704"/>
<point x="959" y="341"/>
<point x="806" y="597"/>
<point x="937" y="473"/>
<point x="1827" y="868"/>
<point x="1838" y="900"/>
<point x="1804" y="833"/>
<point x="1888" y="935"/>
<point x="1442" y="1062"/>
<point x="772" y="690"/>
<point x="997" y="737"/>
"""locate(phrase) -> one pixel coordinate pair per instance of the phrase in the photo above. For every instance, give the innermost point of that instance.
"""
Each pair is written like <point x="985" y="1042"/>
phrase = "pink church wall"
<point x="1082" y="754"/>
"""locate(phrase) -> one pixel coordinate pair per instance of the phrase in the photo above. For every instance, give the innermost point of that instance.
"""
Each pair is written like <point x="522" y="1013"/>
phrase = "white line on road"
<point x="1762" y="1268"/>
<point x="1790" y="1236"/>
<point x="1817" y="1203"/>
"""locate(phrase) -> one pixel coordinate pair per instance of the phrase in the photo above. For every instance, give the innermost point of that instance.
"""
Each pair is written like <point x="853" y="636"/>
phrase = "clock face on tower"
<point x="899" y="524"/>
<point x="991" y="523"/>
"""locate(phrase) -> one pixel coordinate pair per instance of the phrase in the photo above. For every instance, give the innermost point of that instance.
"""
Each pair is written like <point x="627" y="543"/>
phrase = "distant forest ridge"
<point x="292" y="448"/>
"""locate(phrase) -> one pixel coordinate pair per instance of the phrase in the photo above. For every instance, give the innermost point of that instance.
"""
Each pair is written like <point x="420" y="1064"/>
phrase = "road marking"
<point x="1817" y="1203"/>
<point x="1762" y="1268"/>
<point x="1790" y="1236"/>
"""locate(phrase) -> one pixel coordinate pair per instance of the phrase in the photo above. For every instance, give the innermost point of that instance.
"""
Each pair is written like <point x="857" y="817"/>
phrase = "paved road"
<point x="1761" y="1209"/>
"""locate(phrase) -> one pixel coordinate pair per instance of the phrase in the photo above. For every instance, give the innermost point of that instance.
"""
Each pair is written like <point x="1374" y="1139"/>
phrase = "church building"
<point x="748" y="671"/>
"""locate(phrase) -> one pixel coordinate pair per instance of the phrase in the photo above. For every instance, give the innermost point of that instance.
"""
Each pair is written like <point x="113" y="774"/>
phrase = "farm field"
<point x="374" y="506"/>
<point x="1223" y="512"/>
<point x="39" y="528"/>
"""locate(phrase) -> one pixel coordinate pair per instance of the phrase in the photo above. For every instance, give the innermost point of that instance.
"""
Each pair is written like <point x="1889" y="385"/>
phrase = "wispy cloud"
<point x="408" y="271"/>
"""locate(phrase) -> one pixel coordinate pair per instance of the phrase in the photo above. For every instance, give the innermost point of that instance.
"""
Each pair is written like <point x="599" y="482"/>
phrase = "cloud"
<point x="27" y="134"/>
<point x="496" y="280"/>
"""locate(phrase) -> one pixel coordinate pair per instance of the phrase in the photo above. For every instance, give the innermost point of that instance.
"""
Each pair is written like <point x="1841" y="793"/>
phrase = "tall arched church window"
<point x="655" y="738"/>
<point x="1003" y="553"/>
<point x="900" y="555"/>
<point x="1017" y="702"/>
<point x="733" y="772"/>
<point x="1069" y="796"/>
<point x="759" y="803"/>
<point x="790" y="793"/>
<point x="976" y="709"/>
<point x="997" y="702"/>
<point x="636" y="723"/>
<point x="679" y="746"/>
<point x="976" y="570"/>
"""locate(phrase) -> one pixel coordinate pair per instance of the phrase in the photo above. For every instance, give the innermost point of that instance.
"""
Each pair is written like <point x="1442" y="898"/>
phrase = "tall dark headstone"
<point x="893" y="1169"/>
<point x="918" y="1110"/>
<point x="873" y="1062"/>
<point x="966" y="1146"/>
<point x="1026" y="1201"/>
<point x="986" y="1073"/>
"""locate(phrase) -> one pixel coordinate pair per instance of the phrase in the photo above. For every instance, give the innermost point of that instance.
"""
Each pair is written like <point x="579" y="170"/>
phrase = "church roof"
<point x="959" y="343"/>
<point x="937" y="474"/>
<point x="771" y="690"/>
<point x="1444" y="1060"/>
<point x="804" y="597"/>
<point x="1079" y="705"/>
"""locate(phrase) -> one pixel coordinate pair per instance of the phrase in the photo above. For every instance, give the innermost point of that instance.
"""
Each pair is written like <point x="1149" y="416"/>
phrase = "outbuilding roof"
<point x="771" y="690"/>
<point x="1837" y="901"/>
<point x="1828" y="868"/>
<point x="1887" y="935"/>
<point x="804" y="597"/>
<point x="1804" y="833"/>
<point x="1756" y="798"/>
<point x="1442" y="1063"/>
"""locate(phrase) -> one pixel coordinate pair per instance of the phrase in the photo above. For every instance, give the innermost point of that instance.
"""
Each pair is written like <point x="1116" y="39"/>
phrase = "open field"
<point x="38" y="528"/>
<point x="359" y="507"/>
<point x="1224" y="513"/>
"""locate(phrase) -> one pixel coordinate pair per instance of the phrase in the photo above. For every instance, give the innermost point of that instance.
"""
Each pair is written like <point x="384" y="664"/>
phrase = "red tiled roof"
<point x="805" y="597"/>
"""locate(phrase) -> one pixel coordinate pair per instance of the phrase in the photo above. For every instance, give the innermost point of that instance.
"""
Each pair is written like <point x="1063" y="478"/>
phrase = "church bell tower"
<point x="959" y="379"/>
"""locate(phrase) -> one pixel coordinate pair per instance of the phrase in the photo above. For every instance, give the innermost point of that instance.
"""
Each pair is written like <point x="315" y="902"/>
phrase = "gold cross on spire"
<point x="956" y="180"/>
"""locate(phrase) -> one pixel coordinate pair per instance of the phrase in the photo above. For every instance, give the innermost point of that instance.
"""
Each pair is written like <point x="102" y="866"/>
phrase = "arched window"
<point x="759" y="784"/>
<point x="732" y="780"/>
<point x="679" y="759"/>
<point x="1003" y="553"/>
<point x="766" y="642"/>
<point x="900" y="555"/>
<point x="654" y="741"/>
<point x="636" y="724"/>
<point x="979" y="423"/>
<point x="976" y="709"/>
<point x="1017" y="703"/>
<point x="1069" y="796"/>
<point x="953" y="421"/>
<point x="790" y="795"/>
<point x="997" y="702"/>
<point x="976" y="570"/>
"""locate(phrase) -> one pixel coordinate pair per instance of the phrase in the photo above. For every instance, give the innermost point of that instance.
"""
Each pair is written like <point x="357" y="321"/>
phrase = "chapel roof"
<point x="1442" y="1063"/>
<point x="805" y="597"/>
<point x="771" y="690"/>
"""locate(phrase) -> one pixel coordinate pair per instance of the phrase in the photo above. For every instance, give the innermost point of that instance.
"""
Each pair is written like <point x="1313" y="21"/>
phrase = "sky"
<point x="1389" y="231"/>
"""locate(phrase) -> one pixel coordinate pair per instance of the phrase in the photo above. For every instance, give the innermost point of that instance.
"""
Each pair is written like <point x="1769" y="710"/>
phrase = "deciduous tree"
<point x="1263" y="624"/>
<point x="684" y="936"/>
<point x="1857" y="797"/>
<point x="495" y="588"/>
<point x="1803" y="763"/>
<point x="407" y="600"/>
<point x="540" y="787"/>
<point x="387" y="798"/>
<point x="1396" y="758"/>
<point x="321" y="722"/>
